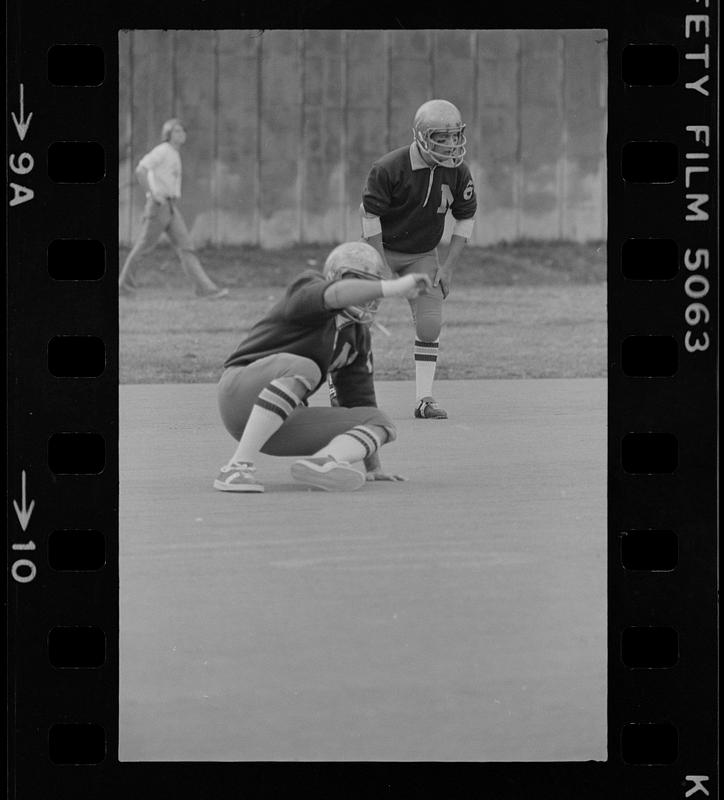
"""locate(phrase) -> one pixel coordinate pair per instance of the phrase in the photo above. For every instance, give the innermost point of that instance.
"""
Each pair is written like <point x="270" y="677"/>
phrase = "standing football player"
<point x="159" y="173"/>
<point x="406" y="197"/>
<point x="319" y="327"/>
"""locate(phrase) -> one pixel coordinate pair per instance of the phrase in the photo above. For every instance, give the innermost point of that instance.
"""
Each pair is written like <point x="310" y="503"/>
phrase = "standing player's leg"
<point x="155" y="219"/>
<point x="427" y="313"/>
<point x="181" y="240"/>
<point x="427" y="317"/>
<point x="254" y="402"/>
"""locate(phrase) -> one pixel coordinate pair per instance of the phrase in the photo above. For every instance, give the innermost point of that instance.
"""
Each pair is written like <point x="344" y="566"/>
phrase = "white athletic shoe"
<point x="327" y="473"/>
<point x="237" y="477"/>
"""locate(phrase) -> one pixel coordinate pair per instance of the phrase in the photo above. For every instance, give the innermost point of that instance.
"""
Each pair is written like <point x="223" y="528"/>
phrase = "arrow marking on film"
<point x="22" y="124"/>
<point x="24" y="512"/>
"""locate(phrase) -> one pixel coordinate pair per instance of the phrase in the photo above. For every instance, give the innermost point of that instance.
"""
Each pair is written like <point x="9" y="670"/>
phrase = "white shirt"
<point x="164" y="170"/>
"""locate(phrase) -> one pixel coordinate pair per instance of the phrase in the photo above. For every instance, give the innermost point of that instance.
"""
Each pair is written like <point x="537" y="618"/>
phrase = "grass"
<point x="516" y="311"/>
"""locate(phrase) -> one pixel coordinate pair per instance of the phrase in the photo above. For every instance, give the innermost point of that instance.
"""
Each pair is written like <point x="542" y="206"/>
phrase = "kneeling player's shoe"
<point x="327" y="473"/>
<point x="427" y="408"/>
<point x="237" y="477"/>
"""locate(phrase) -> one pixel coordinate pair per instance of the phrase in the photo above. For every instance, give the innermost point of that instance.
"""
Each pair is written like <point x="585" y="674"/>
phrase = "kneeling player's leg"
<point x="348" y="434"/>
<point x="359" y="442"/>
<point x="255" y="402"/>
<point x="333" y="438"/>
<point x="278" y="383"/>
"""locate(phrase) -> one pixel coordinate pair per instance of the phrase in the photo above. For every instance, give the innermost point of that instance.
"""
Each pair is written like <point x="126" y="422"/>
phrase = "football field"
<point x="458" y="616"/>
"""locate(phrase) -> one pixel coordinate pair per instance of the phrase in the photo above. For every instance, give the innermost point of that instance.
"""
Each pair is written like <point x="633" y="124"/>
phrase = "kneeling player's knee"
<point x="297" y="375"/>
<point x="303" y="371"/>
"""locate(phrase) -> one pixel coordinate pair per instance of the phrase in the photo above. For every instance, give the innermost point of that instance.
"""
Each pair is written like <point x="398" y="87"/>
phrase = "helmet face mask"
<point x="440" y="133"/>
<point x="364" y="314"/>
<point x="355" y="260"/>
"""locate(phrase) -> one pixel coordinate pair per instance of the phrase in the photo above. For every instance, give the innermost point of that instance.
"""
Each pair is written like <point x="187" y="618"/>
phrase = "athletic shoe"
<point x="217" y="294"/>
<point x="237" y="477"/>
<point x="427" y="408"/>
<point x="327" y="473"/>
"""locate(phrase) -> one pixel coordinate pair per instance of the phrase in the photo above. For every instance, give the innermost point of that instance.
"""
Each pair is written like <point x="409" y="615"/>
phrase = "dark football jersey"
<point x="300" y="323"/>
<point x="411" y="199"/>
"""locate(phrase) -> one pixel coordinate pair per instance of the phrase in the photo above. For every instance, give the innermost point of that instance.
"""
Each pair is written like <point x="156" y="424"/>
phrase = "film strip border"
<point x="663" y="288"/>
<point x="63" y="412"/>
<point x="662" y="444"/>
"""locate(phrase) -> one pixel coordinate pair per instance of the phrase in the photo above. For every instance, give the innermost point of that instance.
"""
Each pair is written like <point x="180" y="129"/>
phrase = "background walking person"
<point x="159" y="173"/>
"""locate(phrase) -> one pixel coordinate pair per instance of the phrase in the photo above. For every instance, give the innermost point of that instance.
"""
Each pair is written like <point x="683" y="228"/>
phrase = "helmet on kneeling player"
<point x="355" y="260"/>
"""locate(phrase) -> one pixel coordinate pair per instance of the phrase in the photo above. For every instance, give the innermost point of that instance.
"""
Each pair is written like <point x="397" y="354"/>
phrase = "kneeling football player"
<point x="320" y="326"/>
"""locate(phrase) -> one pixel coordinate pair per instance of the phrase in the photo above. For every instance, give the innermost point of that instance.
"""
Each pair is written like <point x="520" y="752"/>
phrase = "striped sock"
<point x="354" y="445"/>
<point x="271" y="409"/>
<point x="425" y="363"/>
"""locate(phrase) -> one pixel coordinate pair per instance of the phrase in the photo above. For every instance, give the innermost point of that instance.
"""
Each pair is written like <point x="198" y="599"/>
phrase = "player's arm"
<point x="372" y="233"/>
<point x="311" y="300"/>
<point x="463" y="210"/>
<point x="444" y="274"/>
<point x="376" y="200"/>
<point x="354" y="292"/>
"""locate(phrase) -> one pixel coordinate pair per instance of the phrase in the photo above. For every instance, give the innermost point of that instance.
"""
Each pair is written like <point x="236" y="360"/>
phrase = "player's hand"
<point x="422" y="283"/>
<point x="408" y="286"/>
<point x="443" y="279"/>
<point x="379" y="475"/>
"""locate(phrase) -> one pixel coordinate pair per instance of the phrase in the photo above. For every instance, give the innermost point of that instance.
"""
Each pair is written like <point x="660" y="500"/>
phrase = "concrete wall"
<point x="284" y="125"/>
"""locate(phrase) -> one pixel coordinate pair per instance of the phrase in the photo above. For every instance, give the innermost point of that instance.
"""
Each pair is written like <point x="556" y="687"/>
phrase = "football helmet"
<point x="440" y="133"/>
<point x="355" y="260"/>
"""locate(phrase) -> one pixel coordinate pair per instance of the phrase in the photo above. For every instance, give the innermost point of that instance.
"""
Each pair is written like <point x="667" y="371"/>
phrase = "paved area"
<point x="460" y="616"/>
